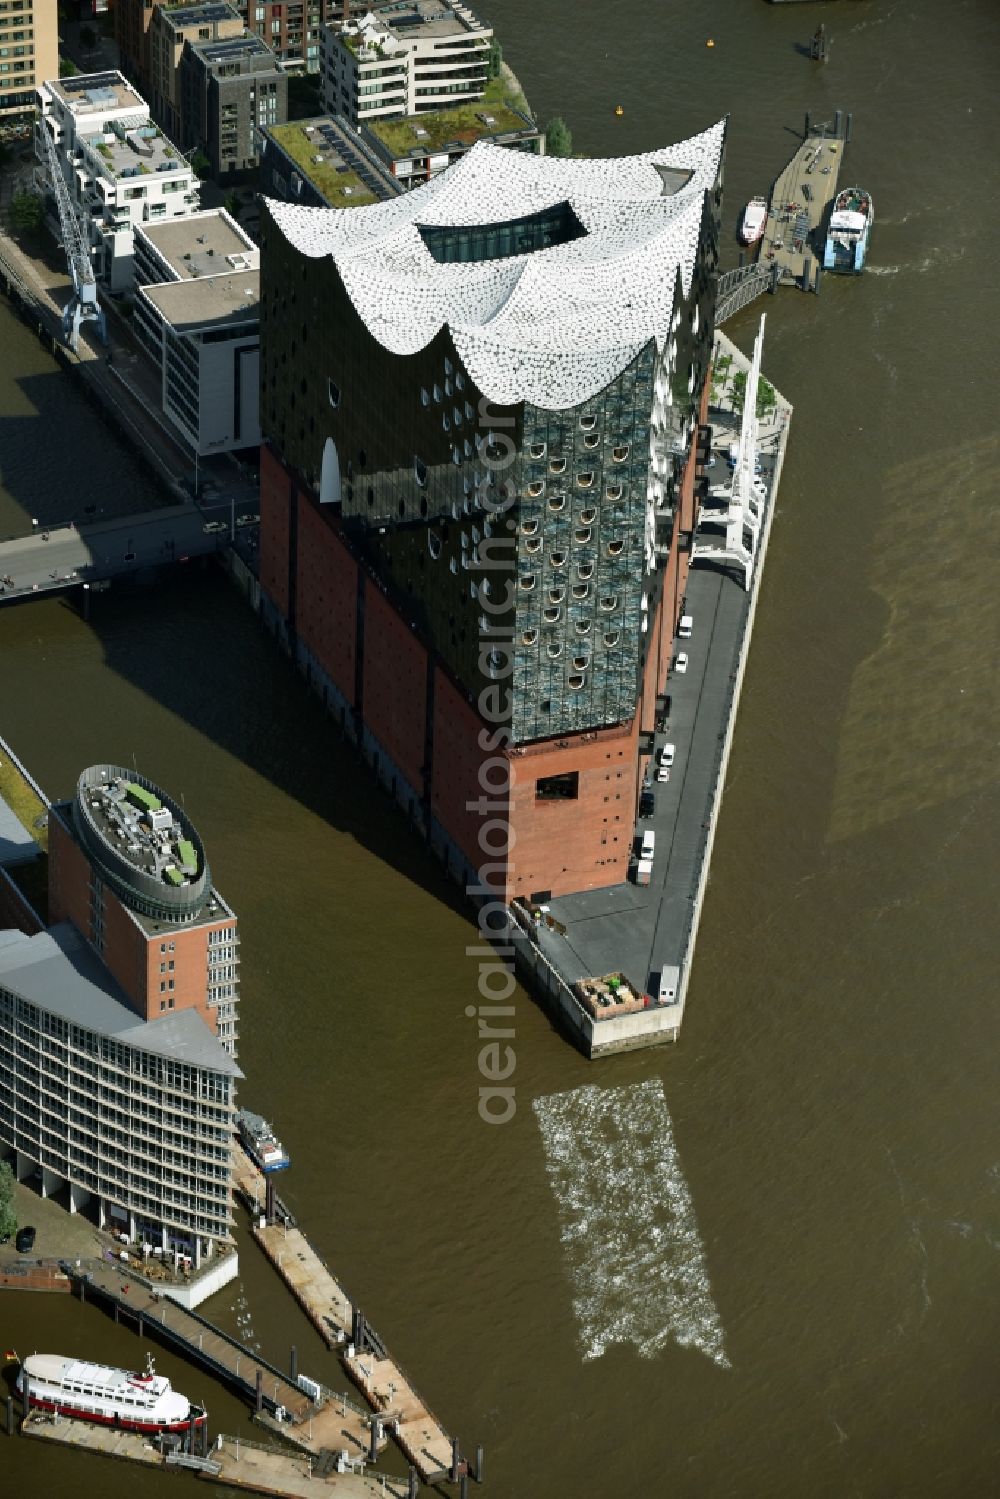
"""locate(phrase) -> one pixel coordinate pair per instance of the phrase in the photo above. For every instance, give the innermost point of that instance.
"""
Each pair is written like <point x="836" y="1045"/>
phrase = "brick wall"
<point x="395" y="685"/>
<point x="326" y="595"/>
<point x="275" y="518"/>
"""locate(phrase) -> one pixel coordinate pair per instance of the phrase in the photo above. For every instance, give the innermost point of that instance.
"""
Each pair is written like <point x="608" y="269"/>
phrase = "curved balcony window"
<point x="529" y="637"/>
<point x="558" y="559"/>
<point x="529" y="527"/>
<point x="557" y="502"/>
<point x="592" y="440"/>
<point x="554" y="650"/>
<point x="447" y="387"/>
<point x="582" y="535"/>
<point x="585" y="480"/>
<point x="557" y="594"/>
<point x="588" y="423"/>
<point x="449" y="368"/>
<point x="425" y="397"/>
<point x="420" y="472"/>
<point x="582" y="626"/>
<point x="588" y="516"/>
<point x="581" y="590"/>
<point x="557" y="465"/>
<point x="445" y="423"/>
<point x="495" y="663"/>
<point x="552" y="614"/>
<point x="526" y="582"/>
<point x="453" y="565"/>
<point x="585" y="570"/>
<point x="469" y="413"/>
<point x="615" y="548"/>
<point x="612" y="638"/>
<point x="620" y="454"/>
<point x="533" y="545"/>
<point x="609" y="603"/>
<point x="475" y="535"/>
<point x="456" y="415"/>
<point x="581" y="662"/>
<point x="536" y="450"/>
<point x="467" y="446"/>
<point x="467" y="485"/>
<point x="536" y="488"/>
<point x="437" y="393"/>
<point x="456" y="456"/>
<point x="614" y="492"/>
<point x="465" y="541"/>
<point x="459" y="381"/>
<point x="434" y="545"/>
<point x="576" y="681"/>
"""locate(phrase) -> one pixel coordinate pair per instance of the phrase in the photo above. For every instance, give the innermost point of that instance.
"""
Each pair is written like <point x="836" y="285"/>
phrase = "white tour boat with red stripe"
<point x="112" y="1397"/>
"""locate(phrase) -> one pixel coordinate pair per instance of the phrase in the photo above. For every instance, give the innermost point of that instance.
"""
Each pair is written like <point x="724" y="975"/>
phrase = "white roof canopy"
<point x="551" y="326"/>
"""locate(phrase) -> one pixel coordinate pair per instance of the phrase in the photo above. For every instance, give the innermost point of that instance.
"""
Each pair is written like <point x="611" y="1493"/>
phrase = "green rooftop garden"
<point x="174" y="875"/>
<point x="186" y="854"/>
<point x="22" y="801"/>
<point x="443" y="126"/>
<point x="322" y="174"/>
<point x="140" y="797"/>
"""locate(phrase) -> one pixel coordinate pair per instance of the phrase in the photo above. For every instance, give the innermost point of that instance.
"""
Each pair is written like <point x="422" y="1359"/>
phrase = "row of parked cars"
<point x="664" y="763"/>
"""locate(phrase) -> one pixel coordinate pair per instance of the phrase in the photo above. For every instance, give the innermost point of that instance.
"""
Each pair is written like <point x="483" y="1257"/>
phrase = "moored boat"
<point x="107" y="1396"/>
<point x="849" y="232"/>
<point x="753" y="221"/>
<point x="261" y="1143"/>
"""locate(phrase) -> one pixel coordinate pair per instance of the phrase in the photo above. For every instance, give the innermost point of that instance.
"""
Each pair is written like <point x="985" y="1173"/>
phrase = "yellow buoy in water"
<point x="710" y="43"/>
<point x="619" y="110"/>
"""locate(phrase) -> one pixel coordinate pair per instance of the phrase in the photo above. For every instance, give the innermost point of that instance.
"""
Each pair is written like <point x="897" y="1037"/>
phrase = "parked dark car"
<point x="25" y="1240"/>
<point x="647" y="804"/>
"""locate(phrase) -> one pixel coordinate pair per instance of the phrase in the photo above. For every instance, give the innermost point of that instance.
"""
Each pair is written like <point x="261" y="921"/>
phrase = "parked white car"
<point x="667" y="754"/>
<point x="681" y="664"/>
<point x="685" y="628"/>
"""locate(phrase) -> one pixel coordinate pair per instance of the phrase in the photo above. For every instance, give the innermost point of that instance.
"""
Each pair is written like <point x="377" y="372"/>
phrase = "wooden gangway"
<point x="330" y="1424"/>
<point x="232" y="1461"/>
<point x="330" y="1309"/>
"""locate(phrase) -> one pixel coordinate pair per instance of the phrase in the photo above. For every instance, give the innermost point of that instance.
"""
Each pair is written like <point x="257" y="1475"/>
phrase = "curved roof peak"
<point x="551" y="323"/>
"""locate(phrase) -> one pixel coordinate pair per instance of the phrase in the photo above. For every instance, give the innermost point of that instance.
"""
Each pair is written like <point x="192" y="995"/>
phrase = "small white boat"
<point x="754" y="220"/>
<point x="110" y="1397"/>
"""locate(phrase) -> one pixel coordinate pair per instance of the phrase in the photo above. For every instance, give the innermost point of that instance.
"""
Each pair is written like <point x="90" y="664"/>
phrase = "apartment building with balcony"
<point x="118" y="1025"/>
<point x="404" y="58"/>
<point x="29" y="52"/>
<point x="120" y="168"/>
<point x="480" y="404"/>
<point x="229" y="91"/>
<point x="171" y="29"/>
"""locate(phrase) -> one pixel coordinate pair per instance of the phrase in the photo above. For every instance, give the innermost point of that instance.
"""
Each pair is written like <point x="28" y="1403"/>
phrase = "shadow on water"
<point x="231" y="683"/>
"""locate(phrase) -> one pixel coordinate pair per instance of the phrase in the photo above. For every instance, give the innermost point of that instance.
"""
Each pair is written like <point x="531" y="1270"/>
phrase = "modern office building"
<point x="197" y="313"/>
<point x="321" y="163"/>
<point x="171" y="29"/>
<point x="229" y="92"/>
<point x="128" y="869"/>
<point x="29" y="52"/>
<point x="120" y="168"/>
<point x="419" y="147"/>
<point x="404" y="58"/>
<point x="291" y="28"/>
<point x="481" y="405"/>
<point x="118" y="1024"/>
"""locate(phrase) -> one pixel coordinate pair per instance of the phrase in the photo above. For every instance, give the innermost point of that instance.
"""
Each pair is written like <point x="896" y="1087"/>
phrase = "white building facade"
<point x="404" y="59"/>
<point x="120" y="168"/>
<point x="135" y="1116"/>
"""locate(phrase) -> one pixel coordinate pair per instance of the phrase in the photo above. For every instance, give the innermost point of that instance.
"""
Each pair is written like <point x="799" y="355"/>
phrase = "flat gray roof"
<point x="16" y="843"/>
<point x="210" y="299"/>
<point x="198" y="245"/>
<point x="58" y="971"/>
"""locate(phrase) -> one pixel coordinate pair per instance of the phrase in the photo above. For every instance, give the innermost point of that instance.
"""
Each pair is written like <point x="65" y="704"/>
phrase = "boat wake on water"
<point x="636" y="1258"/>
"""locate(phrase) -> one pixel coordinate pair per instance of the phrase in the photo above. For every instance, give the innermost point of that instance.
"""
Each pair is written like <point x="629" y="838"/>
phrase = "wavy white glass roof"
<point x="552" y="326"/>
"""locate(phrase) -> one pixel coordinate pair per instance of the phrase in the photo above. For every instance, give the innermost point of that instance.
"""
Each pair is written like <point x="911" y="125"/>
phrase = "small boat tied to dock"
<point x="260" y="1142"/>
<point x="753" y="221"/>
<point x="849" y="232"/>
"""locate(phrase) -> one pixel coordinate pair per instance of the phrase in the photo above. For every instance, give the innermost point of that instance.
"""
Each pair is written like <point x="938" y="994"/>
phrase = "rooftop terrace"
<point x="416" y="135"/>
<point x="138" y="149"/>
<point x="412" y="20"/>
<point x="96" y="93"/>
<point x="316" y="149"/>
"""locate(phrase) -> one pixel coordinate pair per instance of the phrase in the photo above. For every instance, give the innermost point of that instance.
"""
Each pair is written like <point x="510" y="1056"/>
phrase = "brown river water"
<point x="764" y="1262"/>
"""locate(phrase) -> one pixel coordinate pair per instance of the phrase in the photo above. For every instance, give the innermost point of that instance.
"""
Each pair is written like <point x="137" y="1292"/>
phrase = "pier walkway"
<point x="331" y="1311"/>
<point x="797" y="210"/>
<point x="232" y="1461"/>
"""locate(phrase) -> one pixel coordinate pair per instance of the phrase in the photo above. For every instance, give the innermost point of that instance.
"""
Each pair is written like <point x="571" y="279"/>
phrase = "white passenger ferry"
<point x="112" y="1397"/>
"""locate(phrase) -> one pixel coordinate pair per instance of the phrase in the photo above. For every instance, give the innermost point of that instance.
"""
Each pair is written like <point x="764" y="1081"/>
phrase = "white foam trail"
<point x="636" y="1259"/>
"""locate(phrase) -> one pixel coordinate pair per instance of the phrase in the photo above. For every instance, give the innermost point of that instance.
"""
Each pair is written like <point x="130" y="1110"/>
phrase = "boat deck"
<point x="797" y="211"/>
